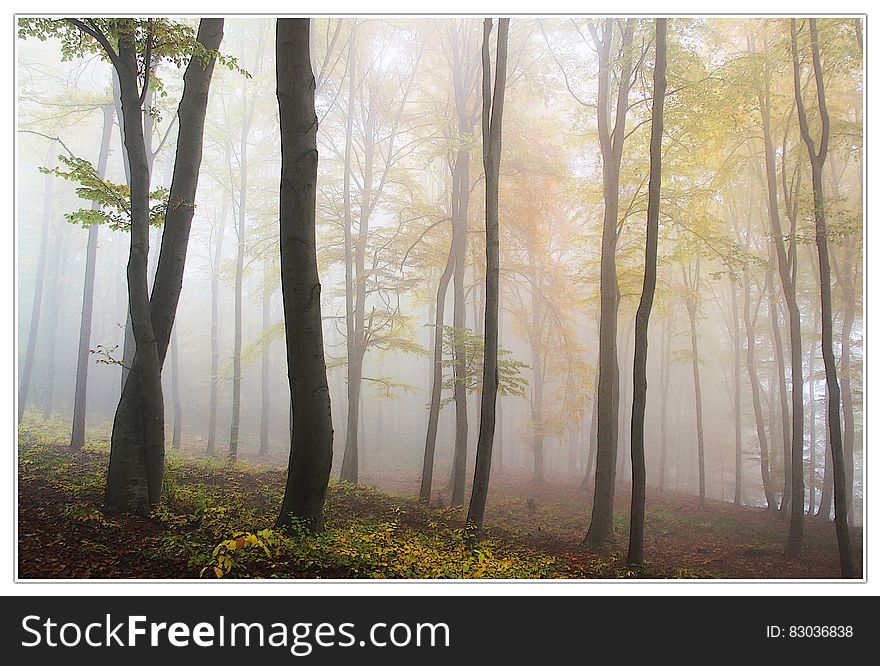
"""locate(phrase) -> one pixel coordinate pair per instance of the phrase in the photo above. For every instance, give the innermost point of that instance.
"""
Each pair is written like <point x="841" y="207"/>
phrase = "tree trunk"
<point x="737" y="396"/>
<point x="611" y="144"/>
<point x="350" y="465"/>
<point x="311" y="441"/>
<point x="461" y="183"/>
<point x="493" y="108"/>
<point x="216" y="262"/>
<point x="786" y="262"/>
<point x="436" y="381"/>
<point x="811" y="371"/>
<point x="592" y="441"/>
<point x="58" y="268"/>
<point x="80" y="396"/>
<point x="665" y="371"/>
<point x="128" y="336"/>
<point x="536" y="345"/>
<point x="34" y="330"/>
<point x="137" y="453"/>
<point x="698" y="394"/>
<point x="635" y="552"/>
<point x="817" y="161"/>
<point x="265" y="367"/>
<point x="175" y="393"/>
<point x="134" y="479"/>
<point x="782" y="384"/>
<point x="239" y="278"/>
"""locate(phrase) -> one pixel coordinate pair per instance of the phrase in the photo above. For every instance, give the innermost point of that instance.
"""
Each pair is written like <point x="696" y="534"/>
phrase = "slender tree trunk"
<point x="216" y="263"/>
<point x="611" y="144"/>
<point x="436" y="381"/>
<point x="817" y="161"/>
<point x="265" y="393"/>
<point x="635" y="552"/>
<point x="827" y="499"/>
<point x="34" y="330"/>
<point x="353" y="373"/>
<point x="698" y="394"/>
<point x="459" y="322"/>
<point x="239" y="278"/>
<point x="786" y="263"/>
<point x="665" y="371"/>
<point x="782" y="385"/>
<point x="175" y="392"/>
<point x="590" y="465"/>
<point x="536" y="345"/>
<point x="498" y="448"/>
<point x="493" y="108"/>
<point x="624" y="430"/>
<point x="57" y="268"/>
<point x="311" y="441"/>
<point x="846" y="393"/>
<point x="80" y="396"/>
<point x="737" y="396"/>
<point x="128" y="345"/>
<point x="811" y="370"/>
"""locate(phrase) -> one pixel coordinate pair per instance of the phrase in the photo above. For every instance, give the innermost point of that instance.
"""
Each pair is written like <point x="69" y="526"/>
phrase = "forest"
<point x="440" y="298"/>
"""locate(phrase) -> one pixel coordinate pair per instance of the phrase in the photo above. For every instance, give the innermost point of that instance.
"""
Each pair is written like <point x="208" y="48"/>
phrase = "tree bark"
<point x="80" y="396"/>
<point x="311" y="441"/>
<point x="635" y="552"/>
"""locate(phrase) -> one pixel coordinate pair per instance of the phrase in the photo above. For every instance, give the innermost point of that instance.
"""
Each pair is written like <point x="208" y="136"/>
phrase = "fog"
<point x="398" y="104"/>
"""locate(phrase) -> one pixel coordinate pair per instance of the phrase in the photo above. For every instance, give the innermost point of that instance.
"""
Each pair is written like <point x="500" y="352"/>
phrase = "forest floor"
<point x="214" y="517"/>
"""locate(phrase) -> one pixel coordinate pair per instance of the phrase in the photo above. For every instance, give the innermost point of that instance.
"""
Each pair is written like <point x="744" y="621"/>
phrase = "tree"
<point x="691" y="282"/>
<point x="493" y="110"/>
<point x="611" y="138"/>
<point x="786" y="263"/>
<point x="78" y="429"/>
<point x="133" y="46"/>
<point x="36" y="308"/>
<point x="635" y="553"/>
<point x="371" y="318"/>
<point x="817" y="162"/>
<point x="248" y="106"/>
<point x="311" y="436"/>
